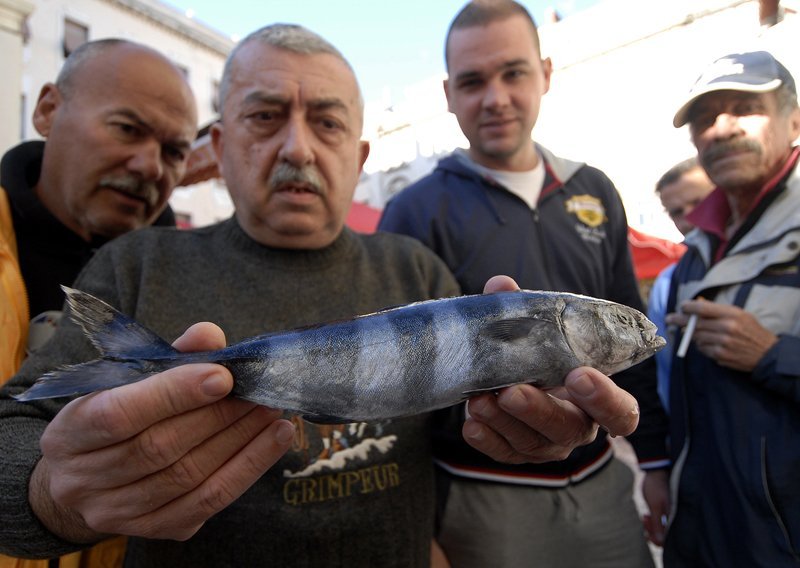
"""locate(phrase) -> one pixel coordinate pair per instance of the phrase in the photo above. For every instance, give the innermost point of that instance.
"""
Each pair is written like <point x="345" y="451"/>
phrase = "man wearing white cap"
<point x="735" y="395"/>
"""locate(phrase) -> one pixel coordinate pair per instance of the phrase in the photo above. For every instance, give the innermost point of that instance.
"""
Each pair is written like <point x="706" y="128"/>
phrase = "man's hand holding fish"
<point x="188" y="451"/>
<point x="526" y="424"/>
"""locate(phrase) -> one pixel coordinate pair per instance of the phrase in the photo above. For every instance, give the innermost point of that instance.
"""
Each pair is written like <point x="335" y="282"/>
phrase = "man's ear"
<point x="547" y="69"/>
<point x="794" y="124"/>
<point x="50" y="99"/>
<point x="363" y="154"/>
<point x="446" y="87"/>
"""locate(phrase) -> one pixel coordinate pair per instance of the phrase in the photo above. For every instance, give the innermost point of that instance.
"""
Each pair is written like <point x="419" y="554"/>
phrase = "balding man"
<point x="118" y="126"/>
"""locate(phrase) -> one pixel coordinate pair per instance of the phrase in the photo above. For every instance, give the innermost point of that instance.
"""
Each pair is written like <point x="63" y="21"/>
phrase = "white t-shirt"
<point x="525" y="185"/>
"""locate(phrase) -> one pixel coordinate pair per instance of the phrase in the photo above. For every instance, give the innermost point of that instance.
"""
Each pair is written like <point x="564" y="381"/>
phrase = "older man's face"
<point x="289" y="145"/>
<point x="117" y="144"/>
<point x="742" y="139"/>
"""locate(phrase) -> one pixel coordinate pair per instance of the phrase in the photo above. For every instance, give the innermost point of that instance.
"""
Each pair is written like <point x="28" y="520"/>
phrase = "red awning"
<point x="652" y="254"/>
<point x="363" y="218"/>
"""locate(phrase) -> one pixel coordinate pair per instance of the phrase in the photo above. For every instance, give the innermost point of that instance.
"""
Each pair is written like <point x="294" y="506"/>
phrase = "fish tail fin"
<point x="84" y="378"/>
<point x="114" y="334"/>
<point x="129" y="352"/>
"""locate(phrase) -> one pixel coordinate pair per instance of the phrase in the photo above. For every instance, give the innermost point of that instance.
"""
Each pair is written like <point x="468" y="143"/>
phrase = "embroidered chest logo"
<point x="589" y="210"/>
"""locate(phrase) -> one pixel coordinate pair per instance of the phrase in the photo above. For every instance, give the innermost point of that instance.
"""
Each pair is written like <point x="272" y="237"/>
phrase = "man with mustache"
<point x="199" y="478"/>
<point x="119" y="122"/>
<point x="508" y="205"/>
<point x="734" y="396"/>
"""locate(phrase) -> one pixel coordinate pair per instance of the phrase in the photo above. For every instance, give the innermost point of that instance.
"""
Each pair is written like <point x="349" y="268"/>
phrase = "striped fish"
<point x="396" y="362"/>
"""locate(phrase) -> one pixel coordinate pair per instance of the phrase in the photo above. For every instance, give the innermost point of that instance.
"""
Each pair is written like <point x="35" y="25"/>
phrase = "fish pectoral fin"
<point x="513" y="329"/>
<point x="325" y="419"/>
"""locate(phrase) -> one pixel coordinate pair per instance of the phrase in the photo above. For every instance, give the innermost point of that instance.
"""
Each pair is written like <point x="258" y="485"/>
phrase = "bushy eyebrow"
<point x="265" y="98"/>
<point x="320" y="104"/>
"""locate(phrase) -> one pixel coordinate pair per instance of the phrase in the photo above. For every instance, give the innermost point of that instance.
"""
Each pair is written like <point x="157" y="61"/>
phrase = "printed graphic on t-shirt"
<point x="328" y="457"/>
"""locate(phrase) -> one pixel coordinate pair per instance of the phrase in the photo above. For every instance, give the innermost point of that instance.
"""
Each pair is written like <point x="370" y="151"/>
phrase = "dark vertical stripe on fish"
<point x="415" y="334"/>
<point x="331" y="356"/>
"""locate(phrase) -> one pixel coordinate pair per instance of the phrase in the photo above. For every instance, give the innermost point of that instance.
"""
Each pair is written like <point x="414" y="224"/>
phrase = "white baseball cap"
<point x="753" y="72"/>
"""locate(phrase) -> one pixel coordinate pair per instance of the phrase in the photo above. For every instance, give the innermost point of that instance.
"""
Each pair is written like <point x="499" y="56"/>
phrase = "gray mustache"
<point x="285" y="173"/>
<point x="133" y="186"/>
<point x="726" y="147"/>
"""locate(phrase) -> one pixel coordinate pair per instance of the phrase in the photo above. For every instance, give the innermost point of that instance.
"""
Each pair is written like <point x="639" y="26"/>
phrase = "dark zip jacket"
<point x="574" y="241"/>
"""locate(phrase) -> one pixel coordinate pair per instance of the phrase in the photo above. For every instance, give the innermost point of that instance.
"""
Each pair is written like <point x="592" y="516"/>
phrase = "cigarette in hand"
<point x="687" y="336"/>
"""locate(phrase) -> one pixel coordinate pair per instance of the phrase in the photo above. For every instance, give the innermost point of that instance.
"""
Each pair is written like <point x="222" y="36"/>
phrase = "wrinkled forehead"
<point x="299" y="77"/>
<point x="139" y="82"/>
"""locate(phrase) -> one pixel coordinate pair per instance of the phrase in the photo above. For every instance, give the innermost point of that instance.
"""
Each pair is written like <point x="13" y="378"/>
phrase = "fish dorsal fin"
<point x="115" y="335"/>
<point x="513" y="329"/>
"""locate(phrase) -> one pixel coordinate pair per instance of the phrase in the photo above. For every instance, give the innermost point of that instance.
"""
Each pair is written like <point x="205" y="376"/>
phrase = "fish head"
<point x="608" y="336"/>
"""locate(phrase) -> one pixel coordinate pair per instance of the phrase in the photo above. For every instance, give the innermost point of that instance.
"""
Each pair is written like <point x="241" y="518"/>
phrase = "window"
<point x="183" y="69"/>
<point x="23" y="107"/>
<point x="215" y="96"/>
<point x="75" y="35"/>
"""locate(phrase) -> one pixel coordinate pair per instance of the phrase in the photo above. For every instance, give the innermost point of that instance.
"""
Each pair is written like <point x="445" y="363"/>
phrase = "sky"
<point x="390" y="43"/>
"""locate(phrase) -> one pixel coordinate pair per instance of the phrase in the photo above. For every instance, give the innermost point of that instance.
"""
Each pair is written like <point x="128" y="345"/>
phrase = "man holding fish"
<point x="734" y="393"/>
<point x="196" y="477"/>
<point x="508" y="204"/>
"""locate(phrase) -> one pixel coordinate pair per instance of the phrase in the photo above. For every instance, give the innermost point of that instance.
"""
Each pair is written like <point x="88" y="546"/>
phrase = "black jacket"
<point x="574" y="241"/>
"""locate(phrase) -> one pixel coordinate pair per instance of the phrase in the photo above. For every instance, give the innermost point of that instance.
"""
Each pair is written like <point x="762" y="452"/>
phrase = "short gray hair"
<point x="290" y="37"/>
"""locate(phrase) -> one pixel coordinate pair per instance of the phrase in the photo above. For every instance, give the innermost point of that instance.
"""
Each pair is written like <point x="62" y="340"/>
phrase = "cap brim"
<point x="682" y="116"/>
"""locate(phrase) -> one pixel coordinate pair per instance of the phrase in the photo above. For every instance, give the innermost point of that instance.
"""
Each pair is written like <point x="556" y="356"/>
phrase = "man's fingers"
<point x="500" y="283"/>
<point x="612" y="408"/>
<point x="109" y="417"/>
<point x="152" y="492"/>
<point x="183" y="517"/>
<point x="202" y="336"/>
<point x="525" y="424"/>
<point x="162" y="445"/>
